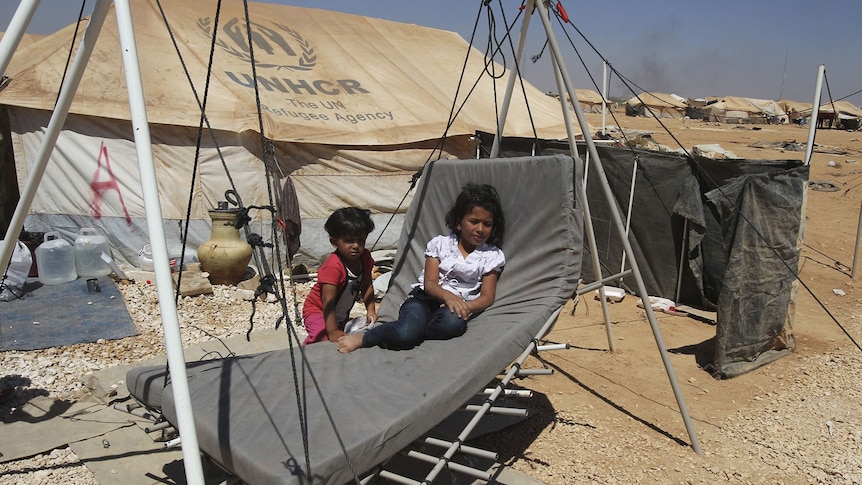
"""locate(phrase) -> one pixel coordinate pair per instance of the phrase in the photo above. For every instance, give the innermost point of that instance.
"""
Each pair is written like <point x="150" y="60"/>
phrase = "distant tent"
<point x="849" y="115"/>
<point x="736" y="109"/>
<point x="353" y="105"/>
<point x="589" y="100"/>
<point x="796" y="111"/>
<point x="656" y="105"/>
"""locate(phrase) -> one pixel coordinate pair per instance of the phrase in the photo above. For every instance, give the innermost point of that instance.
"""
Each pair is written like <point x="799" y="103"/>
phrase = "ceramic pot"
<point x="225" y="255"/>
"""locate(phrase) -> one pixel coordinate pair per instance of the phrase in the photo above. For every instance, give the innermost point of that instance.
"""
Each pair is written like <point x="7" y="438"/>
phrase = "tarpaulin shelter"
<point x="715" y="234"/>
<point x="736" y="109"/>
<point x="657" y="105"/>
<point x="353" y="105"/>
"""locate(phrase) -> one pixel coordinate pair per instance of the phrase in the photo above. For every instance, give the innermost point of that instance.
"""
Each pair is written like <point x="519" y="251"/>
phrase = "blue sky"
<point x="757" y="48"/>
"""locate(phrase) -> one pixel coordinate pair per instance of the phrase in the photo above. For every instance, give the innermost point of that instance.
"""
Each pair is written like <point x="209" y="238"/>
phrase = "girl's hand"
<point x="457" y="305"/>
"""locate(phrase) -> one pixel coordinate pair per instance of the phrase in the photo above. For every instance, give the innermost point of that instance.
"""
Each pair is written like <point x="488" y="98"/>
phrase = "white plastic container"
<point x="89" y="247"/>
<point x="55" y="258"/>
<point x="145" y="258"/>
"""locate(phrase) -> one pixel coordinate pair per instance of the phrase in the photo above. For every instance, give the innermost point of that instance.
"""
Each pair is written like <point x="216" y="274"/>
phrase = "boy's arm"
<point x="370" y="304"/>
<point x="328" y="294"/>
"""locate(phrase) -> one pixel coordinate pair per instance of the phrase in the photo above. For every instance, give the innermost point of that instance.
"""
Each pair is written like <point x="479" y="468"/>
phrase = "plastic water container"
<point x="145" y="258"/>
<point x="89" y="247"/>
<point x="56" y="260"/>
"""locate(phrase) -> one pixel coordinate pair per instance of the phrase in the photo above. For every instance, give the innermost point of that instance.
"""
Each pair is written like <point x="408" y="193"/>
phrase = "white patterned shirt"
<point x="462" y="276"/>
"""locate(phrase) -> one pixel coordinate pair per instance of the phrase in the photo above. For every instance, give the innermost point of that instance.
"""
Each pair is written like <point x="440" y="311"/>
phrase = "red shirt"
<point x="333" y="272"/>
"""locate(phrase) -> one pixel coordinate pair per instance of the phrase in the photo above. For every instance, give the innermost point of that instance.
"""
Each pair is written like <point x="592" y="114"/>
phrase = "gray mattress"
<point x="246" y="409"/>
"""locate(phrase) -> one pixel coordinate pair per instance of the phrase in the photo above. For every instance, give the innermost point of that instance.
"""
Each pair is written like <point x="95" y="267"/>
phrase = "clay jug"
<point x="225" y="255"/>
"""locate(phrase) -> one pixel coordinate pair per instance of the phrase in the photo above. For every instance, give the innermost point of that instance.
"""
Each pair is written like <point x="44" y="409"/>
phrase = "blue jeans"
<point x="420" y="318"/>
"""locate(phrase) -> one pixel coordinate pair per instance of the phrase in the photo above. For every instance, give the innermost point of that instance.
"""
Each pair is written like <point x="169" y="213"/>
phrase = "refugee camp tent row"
<point x="354" y="106"/>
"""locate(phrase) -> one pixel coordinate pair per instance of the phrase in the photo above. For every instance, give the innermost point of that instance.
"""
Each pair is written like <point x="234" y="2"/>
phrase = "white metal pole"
<point x="52" y="132"/>
<point x="815" y="111"/>
<point x="510" y="84"/>
<point x="629" y="211"/>
<point x="604" y="95"/>
<point x="15" y="31"/>
<point x="582" y="194"/>
<point x="680" y="399"/>
<point x="155" y="226"/>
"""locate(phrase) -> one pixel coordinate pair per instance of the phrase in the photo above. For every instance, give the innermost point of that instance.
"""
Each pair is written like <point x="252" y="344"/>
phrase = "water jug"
<point x="145" y="258"/>
<point x="89" y="247"/>
<point x="56" y="260"/>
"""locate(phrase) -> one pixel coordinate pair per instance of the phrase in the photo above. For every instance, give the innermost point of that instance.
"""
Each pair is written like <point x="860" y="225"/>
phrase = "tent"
<point x="590" y="101"/>
<point x="735" y="109"/>
<point x="353" y="105"/>
<point x="658" y="105"/>
<point x="796" y="110"/>
<point x="849" y="115"/>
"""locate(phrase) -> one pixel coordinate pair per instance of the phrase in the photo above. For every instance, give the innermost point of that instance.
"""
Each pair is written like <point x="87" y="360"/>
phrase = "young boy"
<point x="344" y="278"/>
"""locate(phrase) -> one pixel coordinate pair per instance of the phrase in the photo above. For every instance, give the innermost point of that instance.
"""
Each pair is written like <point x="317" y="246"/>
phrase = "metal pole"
<point x="815" y="111"/>
<point x="155" y="226"/>
<point x="510" y="84"/>
<point x="582" y="194"/>
<point x="684" y="246"/>
<point x="604" y="96"/>
<point x="15" y="31"/>
<point x="52" y="132"/>
<point x="629" y="209"/>
<point x="680" y="399"/>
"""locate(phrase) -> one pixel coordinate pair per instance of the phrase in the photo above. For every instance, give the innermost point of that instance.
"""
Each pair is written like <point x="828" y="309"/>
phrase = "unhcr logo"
<point x="271" y="45"/>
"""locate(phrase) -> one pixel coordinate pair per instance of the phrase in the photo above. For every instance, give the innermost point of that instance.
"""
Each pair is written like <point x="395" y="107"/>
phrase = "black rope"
<point x="71" y="49"/>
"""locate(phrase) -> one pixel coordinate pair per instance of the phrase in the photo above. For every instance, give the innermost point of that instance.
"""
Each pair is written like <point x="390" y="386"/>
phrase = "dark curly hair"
<point x="349" y="221"/>
<point x="484" y="196"/>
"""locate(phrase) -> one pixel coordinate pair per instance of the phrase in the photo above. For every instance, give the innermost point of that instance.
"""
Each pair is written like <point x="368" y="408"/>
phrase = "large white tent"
<point x="354" y="106"/>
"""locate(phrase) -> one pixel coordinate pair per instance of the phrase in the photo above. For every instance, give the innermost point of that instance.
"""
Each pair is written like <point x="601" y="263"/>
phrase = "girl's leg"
<point x="406" y="332"/>
<point x="445" y="325"/>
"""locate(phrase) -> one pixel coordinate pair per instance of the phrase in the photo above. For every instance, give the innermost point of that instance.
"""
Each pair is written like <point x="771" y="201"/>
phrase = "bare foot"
<point x="349" y="343"/>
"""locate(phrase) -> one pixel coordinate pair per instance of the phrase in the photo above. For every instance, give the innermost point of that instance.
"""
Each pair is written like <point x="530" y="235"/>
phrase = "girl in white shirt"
<point x="459" y="279"/>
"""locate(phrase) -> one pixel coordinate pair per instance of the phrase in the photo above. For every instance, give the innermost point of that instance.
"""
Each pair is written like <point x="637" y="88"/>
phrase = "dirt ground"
<point x="612" y="417"/>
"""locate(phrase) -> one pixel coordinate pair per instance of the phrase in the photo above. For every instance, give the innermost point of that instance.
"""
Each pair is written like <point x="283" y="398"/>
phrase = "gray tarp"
<point x="741" y="256"/>
<point x="245" y="408"/>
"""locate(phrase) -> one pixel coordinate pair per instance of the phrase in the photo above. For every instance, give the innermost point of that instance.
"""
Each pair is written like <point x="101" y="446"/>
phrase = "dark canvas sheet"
<point x="57" y="315"/>
<point x="735" y="222"/>
<point x="380" y="400"/>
